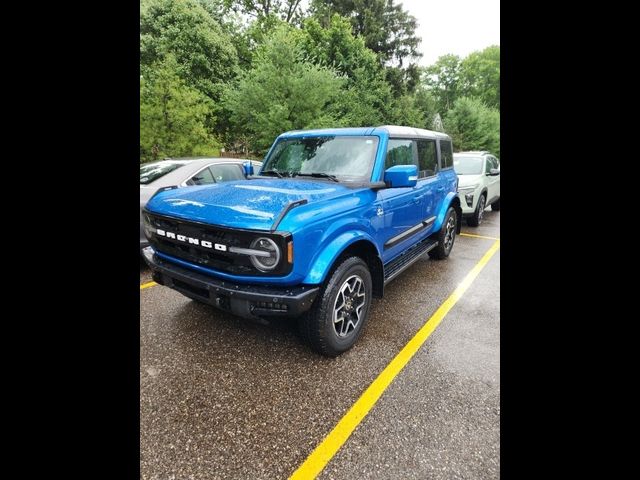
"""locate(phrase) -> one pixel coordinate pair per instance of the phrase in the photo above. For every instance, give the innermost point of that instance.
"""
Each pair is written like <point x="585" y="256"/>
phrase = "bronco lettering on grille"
<point x="191" y="240"/>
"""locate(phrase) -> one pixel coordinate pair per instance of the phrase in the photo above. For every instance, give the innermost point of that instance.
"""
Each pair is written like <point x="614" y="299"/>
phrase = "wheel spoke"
<point x="349" y="305"/>
<point x="345" y="327"/>
<point x="339" y="307"/>
<point x="350" y="323"/>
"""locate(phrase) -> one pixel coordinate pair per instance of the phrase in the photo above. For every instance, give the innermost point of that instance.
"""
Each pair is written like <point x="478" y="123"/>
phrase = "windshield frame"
<point x="343" y="178"/>
<point x="481" y="158"/>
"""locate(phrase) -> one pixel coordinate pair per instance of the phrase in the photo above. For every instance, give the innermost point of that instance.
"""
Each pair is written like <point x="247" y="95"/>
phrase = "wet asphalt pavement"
<point x="226" y="398"/>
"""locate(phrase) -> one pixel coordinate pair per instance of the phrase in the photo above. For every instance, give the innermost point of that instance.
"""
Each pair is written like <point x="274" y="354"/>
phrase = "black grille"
<point x="224" y="261"/>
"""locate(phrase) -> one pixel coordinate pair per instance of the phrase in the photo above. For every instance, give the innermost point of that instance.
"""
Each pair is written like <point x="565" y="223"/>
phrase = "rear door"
<point x="428" y="179"/>
<point x="447" y="178"/>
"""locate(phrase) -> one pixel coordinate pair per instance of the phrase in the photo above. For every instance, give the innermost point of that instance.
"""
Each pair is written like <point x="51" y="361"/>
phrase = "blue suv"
<point x="331" y="218"/>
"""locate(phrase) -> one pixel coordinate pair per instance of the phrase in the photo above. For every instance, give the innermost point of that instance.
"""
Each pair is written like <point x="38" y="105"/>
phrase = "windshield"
<point x="153" y="171"/>
<point x="348" y="158"/>
<point x="467" y="165"/>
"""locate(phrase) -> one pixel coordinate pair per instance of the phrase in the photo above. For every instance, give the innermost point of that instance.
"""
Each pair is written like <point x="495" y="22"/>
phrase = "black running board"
<point x="407" y="258"/>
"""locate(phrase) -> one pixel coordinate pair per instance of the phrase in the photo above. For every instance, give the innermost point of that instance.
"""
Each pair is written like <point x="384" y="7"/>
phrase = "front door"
<point x="404" y="208"/>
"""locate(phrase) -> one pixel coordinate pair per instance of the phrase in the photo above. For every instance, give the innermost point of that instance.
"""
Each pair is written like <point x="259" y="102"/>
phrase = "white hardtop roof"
<point x="400" y="130"/>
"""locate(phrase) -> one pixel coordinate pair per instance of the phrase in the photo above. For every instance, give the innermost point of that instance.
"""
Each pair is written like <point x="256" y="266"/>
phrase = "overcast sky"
<point x="454" y="26"/>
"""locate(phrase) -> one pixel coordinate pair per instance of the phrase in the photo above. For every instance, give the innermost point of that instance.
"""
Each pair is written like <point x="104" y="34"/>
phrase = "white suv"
<point x="479" y="186"/>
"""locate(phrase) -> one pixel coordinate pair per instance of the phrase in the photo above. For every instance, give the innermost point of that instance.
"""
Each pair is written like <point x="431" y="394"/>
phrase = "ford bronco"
<point x="332" y="216"/>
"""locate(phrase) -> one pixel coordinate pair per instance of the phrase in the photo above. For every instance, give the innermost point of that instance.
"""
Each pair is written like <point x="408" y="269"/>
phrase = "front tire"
<point x="446" y="236"/>
<point x="476" y="219"/>
<point x="339" y="313"/>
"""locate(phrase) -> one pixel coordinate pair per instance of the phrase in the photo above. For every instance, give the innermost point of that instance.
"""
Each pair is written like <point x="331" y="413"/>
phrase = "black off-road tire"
<point x="446" y="236"/>
<point x="495" y="206"/>
<point x="476" y="219"/>
<point x="318" y="327"/>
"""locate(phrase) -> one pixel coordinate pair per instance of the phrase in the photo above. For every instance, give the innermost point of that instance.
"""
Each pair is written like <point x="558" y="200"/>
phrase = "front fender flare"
<point x="323" y="261"/>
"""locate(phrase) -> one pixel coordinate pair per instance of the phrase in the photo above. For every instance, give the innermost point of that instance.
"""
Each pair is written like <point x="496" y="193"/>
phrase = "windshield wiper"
<point x="319" y="175"/>
<point x="272" y="172"/>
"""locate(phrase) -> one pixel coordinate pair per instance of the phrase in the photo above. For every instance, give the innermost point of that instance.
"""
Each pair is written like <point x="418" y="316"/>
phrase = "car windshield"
<point x="347" y="158"/>
<point x="466" y="165"/>
<point x="153" y="171"/>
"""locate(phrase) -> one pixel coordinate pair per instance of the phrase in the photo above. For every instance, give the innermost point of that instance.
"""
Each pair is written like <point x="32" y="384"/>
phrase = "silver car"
<point x="185" y="172"/>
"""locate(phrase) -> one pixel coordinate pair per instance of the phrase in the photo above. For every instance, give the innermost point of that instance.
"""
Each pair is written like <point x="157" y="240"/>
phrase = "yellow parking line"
<point x="147" y="285"/>
<point x="324" y="452"/>
<point x="479" y="236"/>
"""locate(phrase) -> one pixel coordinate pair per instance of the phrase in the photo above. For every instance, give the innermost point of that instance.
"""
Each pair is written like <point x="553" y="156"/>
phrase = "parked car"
<point x="332" y="217"/>
<point x="479" y="174"/>
<point x="183" y="172"/>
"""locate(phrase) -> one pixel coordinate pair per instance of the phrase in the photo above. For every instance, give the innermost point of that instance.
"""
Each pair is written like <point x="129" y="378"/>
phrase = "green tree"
<point x="172" y="116"/>
<point x="473" y="126"/>
<point x="405" y="111"/>
<point x="366" y="96"/>
<point x="443" y="80"/>
<point x="289" y="11"/>
<point x="480" y="73"/>
<point x="386" y="28"/>
<point x="334" y="45"/>
<point x="425" y="102"/>
<point x="282" y="91"/>
<point x="206" y="58"/>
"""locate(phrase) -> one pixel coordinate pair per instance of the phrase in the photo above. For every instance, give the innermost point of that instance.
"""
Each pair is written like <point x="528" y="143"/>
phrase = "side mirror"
<point x="401" y="176"/>
<point x="493" y="172"/>
<point x="248" y="168"/>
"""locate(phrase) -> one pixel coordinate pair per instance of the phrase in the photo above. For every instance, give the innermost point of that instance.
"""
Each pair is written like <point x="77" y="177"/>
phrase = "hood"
<point x="250" y="204"/>
<point x="466" y="180"/>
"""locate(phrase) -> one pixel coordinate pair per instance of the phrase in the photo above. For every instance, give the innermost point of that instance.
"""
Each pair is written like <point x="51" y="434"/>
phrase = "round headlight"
<point x="268" y="262"/>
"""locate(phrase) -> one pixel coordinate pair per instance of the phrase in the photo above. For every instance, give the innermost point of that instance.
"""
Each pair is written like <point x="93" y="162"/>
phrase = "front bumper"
<point x="248" y="301"/>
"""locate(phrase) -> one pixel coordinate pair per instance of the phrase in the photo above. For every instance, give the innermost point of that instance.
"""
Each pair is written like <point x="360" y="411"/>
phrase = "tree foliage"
<point x="480" y="73"/>
<point x="239" y="72"/>
<point x="387" y="29"/>
<point x="366" y="96"/>
<point x="473" y="126"/>
<point x="477" y="75"/>
<point x="443" y="79"/>
<point x="172" y="115"/>
<point x="282" y="91"/>
<point x="206" y="58"/>
<point x="289" y="11"/>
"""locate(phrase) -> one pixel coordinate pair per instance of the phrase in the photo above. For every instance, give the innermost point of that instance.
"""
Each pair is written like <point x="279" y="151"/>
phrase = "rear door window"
<point x="427" y="158"/>
<point x="446" y="153"/>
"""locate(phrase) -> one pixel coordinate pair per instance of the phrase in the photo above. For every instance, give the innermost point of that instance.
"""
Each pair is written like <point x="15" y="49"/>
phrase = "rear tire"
<point x="340" y="311"/>
<point x="446" y="236"/>
<point x="495" y="206"/>
<point x="476" y="219"/>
